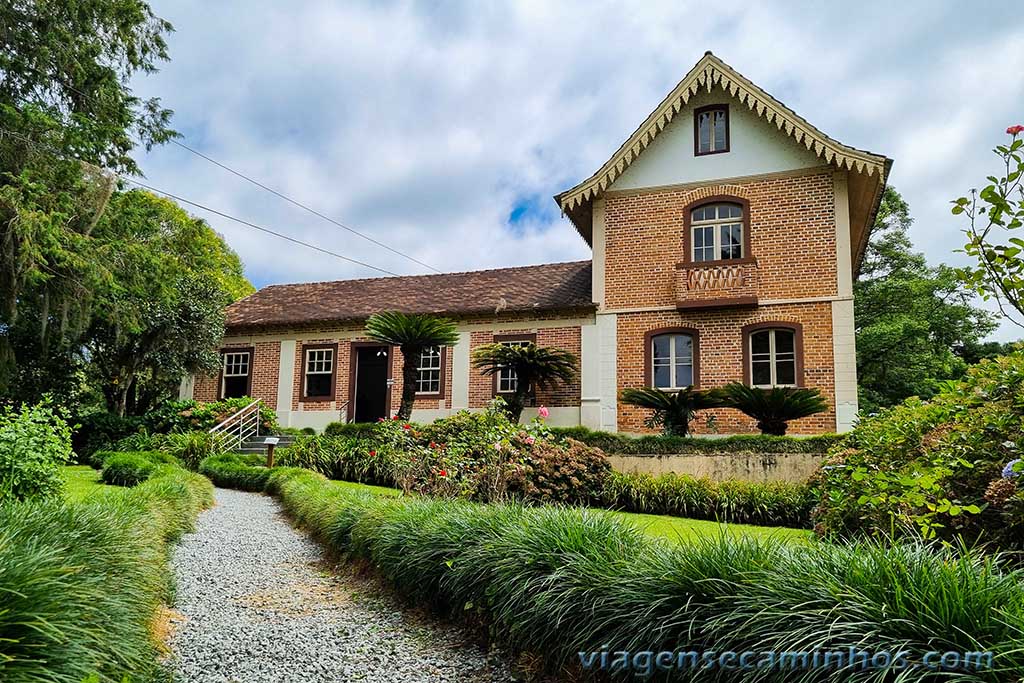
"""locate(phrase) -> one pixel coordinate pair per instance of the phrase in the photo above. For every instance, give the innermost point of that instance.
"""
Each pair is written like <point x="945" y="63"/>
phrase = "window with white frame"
<point x="672" y="361"/>
<point x="319" y="373"/>
<point x="711" y="130"/>
<point x="234" y="378"/>
<point x="507" y="382"/>
<point x="716" y="232"/>
<point x="428" y="372"/>
<point x="773" y="358"/>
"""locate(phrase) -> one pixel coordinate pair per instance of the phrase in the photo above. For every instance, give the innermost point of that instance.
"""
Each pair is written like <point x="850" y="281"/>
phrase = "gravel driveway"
<point x="257" y="602"/>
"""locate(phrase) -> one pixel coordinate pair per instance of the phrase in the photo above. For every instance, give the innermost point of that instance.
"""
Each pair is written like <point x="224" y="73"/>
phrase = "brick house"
<point x="724" y="233"/>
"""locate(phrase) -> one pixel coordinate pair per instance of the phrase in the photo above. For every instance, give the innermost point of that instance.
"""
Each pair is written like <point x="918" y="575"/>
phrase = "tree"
<point x="773" y="408"/>
<point x="534" y="367"/>
<point x="66" y="112"/>
<point x="673" y="410"/>
<point x="161" y="315"/>
<point x="412" y="333"/>
<point x="911" y="319"/>
<point x="996" y="210"/>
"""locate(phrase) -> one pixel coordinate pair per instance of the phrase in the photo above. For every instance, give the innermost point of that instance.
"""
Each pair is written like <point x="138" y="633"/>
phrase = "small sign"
<point x="271" y="440"/>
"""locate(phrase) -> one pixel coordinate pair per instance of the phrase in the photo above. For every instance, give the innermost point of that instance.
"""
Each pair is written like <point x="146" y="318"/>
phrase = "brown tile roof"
<point x="552" y="286"/>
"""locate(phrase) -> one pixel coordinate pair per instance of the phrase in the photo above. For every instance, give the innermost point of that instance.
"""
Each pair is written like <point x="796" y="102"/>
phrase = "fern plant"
<point x="672" y="410"/>
<point x="534" y="366"/>
<point x="773" y="408"/>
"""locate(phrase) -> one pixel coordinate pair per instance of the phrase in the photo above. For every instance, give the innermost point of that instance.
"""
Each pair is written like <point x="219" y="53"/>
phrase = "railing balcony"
<point x="716" y="284"/>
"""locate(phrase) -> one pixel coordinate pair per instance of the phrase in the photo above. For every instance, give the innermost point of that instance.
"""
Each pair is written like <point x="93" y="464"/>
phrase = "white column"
<point x="844" y="255"/>
<point x="598" y="250"/>
<point x="609" y="381"/>
<point x="187" y="387"/>
<point x="590" y="376"/>
<point x="844" y="354"/>
<point x="285" y="382"/>
<point x="460" y="371"/>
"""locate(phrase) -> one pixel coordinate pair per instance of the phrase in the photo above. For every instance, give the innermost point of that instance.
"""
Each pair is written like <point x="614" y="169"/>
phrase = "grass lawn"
<point x="682" y="529"/>
<point x="673" y="528"/>
<point x="80" y="481"/>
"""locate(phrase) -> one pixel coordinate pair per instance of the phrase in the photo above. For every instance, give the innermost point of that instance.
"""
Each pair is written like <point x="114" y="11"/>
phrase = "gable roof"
<point x="708" y="73"/>
<point x="548" y="287"/>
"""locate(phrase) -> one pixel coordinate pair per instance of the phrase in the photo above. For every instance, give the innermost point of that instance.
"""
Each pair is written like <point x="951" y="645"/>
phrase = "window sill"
<point x="717" y="264"/>
<point x="707" y="154"/>
<point x="316" y="399"/>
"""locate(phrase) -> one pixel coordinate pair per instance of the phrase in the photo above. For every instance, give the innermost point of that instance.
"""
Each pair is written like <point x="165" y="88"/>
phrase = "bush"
<point x="127" y="469"/>
<point x="231" y="470"/>
<point x="100" y="431"/>
<point x="570" y="474"/>
<point x="189" y="447"/>
<point x="358" y="430"/>
<point x="188" y="416"/>
<point x="342" y="457"/>
<point x="99" y="458"/>
<point x="558" y="581"/>
<point x="739" y="502"/>
<point x="35" y="442"/>
<point x="623" y="444"/>
<point x="81" y="582"/>
<point x="935" y="468"/>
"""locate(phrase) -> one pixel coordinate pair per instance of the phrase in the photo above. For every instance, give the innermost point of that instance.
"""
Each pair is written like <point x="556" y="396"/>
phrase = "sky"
<point x="443" y="129"/>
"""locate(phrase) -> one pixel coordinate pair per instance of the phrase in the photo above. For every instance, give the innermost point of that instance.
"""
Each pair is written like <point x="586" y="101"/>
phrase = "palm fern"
<point x="673" y="410"/>
<point x="534" y="366"/>
<point x="411" y="332"/>
<point x="774" y="408"/>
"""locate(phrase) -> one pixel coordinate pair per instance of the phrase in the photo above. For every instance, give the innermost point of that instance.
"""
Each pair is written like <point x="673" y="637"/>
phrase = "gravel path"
<point x="258" y="602"/>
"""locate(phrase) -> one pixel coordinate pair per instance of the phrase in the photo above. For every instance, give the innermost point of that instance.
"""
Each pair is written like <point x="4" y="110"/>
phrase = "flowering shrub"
<point x="933" y="467"/>
<point x="571" y="473"/>
<point x="187" y="416"/>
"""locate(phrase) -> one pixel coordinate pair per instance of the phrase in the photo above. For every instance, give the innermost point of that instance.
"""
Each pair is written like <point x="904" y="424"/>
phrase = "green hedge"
<point x="739" y="502"/>
<point x="127" y="469"/>
<point x="80" y="582"/>
<point x="622" y="444"/>
<point x="558" y="581"/>
<point x="231" y="470"/>
<point x="359" y="430"/>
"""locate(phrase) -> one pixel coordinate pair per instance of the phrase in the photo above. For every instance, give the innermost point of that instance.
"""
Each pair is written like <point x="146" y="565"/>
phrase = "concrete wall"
<point x="759" y="467"/>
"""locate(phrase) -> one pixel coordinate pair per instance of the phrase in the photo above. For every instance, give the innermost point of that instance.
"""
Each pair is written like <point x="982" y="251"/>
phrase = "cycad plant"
<point x="534" y="366"/>
<point x="773" y="408"/>
<point x="412" y="333"/>
<point x="673" y="410"/>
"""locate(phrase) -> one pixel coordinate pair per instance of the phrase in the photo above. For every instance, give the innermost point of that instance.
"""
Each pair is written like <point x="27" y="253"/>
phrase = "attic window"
<point x="711" y="130"/>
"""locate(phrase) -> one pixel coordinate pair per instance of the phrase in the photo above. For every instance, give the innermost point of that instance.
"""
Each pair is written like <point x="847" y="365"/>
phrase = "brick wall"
<point x="721" y="358"/>
<point x="265" y="362"/>
<point x="792" y="237"/>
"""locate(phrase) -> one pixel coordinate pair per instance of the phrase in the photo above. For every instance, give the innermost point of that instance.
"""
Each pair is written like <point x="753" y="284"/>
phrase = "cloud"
<point x="443" y="129"/>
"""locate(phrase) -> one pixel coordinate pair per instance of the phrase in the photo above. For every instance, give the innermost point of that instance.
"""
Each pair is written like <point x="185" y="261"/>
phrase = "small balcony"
<point x="716" y="284"/>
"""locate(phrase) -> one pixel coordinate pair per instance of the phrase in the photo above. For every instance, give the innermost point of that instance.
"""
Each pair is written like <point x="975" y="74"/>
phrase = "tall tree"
<point x="911" y="318"/>
<point x="161" y="314"/>
<point x="66" y="111"/>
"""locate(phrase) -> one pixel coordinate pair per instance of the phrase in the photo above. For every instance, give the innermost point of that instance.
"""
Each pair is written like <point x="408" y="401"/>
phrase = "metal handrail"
<point x="238" y="427"/>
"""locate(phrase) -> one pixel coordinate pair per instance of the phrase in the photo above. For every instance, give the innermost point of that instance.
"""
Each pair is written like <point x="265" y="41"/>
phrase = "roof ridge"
<point x="419" y="275"/>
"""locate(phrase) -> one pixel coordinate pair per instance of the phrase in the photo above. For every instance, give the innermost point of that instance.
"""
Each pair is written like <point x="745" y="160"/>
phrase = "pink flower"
<point x="497" y="445"/>
<point x="1015" y="130"/>
<point x="380" y="419"/>
<point x="543" y="412"/>
<point x="530" y="440"/>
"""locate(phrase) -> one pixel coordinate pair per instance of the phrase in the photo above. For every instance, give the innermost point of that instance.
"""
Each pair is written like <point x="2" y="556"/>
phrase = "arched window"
<point x="716" y="232"/>
<point x="773" y="356"/>
<point x="672" y="360"/>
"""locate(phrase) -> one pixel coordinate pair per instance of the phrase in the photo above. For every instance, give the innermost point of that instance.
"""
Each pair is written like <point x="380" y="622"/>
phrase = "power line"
<point x="183" y="200"/>
<point x="301" y="205"/>
<point x="266" y="188"/>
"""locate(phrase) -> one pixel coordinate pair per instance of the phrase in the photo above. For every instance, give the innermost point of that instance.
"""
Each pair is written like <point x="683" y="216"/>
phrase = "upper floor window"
<point x="318" y="380"/>
<point x="773" y="358"/>
<point x="711" y="130"/>
<point x="717" y="232"/>
<point x="428" y="371"/>
<point x="672" y="361"/>
<point x="235" y="372"/>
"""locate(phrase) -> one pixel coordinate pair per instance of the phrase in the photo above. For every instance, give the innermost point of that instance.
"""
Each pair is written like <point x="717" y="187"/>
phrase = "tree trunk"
<point x="517" y="402"/>
<point x="410" y="359"/>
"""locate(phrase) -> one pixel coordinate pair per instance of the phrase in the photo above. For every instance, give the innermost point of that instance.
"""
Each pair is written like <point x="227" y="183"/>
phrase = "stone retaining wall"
<point x="794" y="467"/>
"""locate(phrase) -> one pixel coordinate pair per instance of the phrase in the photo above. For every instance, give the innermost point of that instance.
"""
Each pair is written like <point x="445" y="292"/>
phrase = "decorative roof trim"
<point x="709" y="72"/>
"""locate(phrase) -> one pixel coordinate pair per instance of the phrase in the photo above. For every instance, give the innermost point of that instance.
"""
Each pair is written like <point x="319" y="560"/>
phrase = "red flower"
<point x="395" y="417"/>
<point x="1015" y="130"/>
<point x="443" y="473"/>
<point x="433" y="445"/>
<point x="406" y="426"/>
<point x="373" y="453"/>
